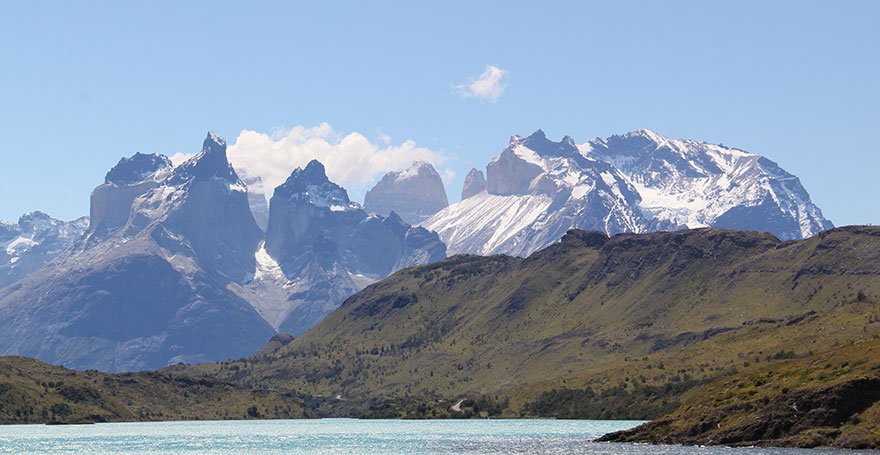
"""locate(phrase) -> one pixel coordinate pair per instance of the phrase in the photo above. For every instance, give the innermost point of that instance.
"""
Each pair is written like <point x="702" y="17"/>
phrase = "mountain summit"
<point x="686" y="183"/>
<point x="151" y="283"/>
<point x="537" y="189"/>
<point x="415" y="193"/>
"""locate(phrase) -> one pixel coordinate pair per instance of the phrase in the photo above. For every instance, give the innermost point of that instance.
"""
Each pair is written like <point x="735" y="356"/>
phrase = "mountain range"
<point x="33" y="241"/>
<point x="174" y="268"/>
<point x="186" y="264"/>
<point x="537" y="189"/>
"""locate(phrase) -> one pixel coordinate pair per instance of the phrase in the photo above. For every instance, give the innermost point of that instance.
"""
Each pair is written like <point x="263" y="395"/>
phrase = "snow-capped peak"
<point x="413" y="171"/>
<point x="635" y="182"/>
<point x="543" y="147"/>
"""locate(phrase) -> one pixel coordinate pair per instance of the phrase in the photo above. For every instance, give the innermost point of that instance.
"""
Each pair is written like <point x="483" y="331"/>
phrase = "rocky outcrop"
<point x="131" y="178"/>
<point x="415" y="194"/>
<point x="474" y="184"/>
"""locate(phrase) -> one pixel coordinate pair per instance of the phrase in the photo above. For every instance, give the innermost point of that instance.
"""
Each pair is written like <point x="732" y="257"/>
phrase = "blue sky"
<point x="83" y="84"/>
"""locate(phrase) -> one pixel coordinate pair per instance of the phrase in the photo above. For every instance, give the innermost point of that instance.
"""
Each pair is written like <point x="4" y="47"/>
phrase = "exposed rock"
<point x="474" y="183"/>
<point x="685" y="183"/>
<point x="415" y="194"/>
<point x="129" y="179"/>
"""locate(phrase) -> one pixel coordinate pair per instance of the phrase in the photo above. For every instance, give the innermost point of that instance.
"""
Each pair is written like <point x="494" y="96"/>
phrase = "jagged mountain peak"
<point x="33" y="216"/>
<point x="474" y="183"/>
<point x="210" y="163"/>
<point x="639" y="181"/>
<point x="415" y="193"/>
<point x="311" y="185"/>
<point x="315" y="172"/>
<point x="214" y="141"/>
<point x="690" y="183"/>
<point x="136" y="168"/>
<point x="540" y="144"/>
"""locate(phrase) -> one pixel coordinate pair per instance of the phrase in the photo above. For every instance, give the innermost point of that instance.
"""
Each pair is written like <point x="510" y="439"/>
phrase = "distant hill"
<point x="34" y="392"/>
<point x="633" y="319"/>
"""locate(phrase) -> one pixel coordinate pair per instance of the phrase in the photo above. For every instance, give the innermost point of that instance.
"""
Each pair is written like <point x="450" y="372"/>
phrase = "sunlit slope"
<point x="621" y="313"/>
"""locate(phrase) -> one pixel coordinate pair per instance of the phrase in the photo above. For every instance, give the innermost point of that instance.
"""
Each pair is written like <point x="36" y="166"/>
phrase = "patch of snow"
<point x="528" y="155"/>
<point x="267" y="266"/>
<point x="20" y="245"/>
<point x="463" y="225"/>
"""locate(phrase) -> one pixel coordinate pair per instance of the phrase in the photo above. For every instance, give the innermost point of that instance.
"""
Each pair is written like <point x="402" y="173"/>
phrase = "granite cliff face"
<point x="111" y="202"/>
<point x="474" y="184"/>
<point x="415" y="194"/>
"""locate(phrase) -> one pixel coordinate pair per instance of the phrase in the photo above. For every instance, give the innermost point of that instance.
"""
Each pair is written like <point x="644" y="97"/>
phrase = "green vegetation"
<point x="33" y="392"/>
<point x="829" y="399"/>
<point x="624" y="318"/>
<point x="641" y="403"/>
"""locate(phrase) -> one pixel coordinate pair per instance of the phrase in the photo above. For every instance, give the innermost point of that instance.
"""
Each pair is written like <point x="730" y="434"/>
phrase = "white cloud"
<point x="488" y="86"/>
<point x="351" y="160"/>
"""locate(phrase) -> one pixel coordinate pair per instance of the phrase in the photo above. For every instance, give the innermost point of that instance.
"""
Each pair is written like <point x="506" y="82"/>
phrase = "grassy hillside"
<point x="830" y="399"/>
<point x="34" y="392"/>
<point x="633" y="319"/>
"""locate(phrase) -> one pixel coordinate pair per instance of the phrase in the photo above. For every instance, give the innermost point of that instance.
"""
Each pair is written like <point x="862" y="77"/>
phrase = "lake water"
<point x="342" y="436"/>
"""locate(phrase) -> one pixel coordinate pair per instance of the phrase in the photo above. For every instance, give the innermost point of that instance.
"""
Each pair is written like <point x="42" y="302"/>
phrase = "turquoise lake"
<point x="342" y="436"/>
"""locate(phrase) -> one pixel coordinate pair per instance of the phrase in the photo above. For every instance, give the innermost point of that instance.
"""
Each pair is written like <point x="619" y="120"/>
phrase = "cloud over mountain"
<point x="351" y="159"/>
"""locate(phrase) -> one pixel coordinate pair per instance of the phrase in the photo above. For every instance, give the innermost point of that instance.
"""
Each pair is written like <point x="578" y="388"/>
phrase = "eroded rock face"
<point x="131" y="178"/>
<point x="474" y="184"/>
<point x="415" y="194"/>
